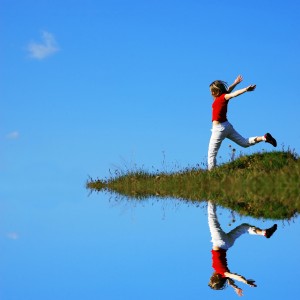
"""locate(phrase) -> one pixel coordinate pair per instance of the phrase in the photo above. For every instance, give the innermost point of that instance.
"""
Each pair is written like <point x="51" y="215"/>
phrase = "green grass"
<point x="262" y="185"/>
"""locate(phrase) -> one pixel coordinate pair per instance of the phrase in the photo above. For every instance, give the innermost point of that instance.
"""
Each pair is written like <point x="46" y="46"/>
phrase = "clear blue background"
<point x="124" y="84"/>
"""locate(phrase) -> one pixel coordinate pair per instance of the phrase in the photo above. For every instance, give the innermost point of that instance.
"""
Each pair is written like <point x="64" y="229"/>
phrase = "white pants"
<point x="219" y="237"/>
<point x="219" y="133"/>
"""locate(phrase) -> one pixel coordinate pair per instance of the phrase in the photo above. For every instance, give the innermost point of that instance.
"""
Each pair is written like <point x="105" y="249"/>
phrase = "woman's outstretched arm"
<point x="249" y="88"/>
<point x="238" y="290"/>
<point x="235" y="83"/>
<point x="240" y="278"/>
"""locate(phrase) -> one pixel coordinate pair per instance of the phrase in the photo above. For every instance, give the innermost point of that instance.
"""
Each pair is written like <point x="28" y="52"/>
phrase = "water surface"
<point x="63" y="243"/>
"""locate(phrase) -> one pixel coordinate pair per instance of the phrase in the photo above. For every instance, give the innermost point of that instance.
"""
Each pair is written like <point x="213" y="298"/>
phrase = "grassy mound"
<point x="262" y="185"/>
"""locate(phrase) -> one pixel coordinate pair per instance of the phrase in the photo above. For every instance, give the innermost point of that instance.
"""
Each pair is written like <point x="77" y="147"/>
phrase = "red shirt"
<point x="219" y="261"/>
<point x="219" y="109"/>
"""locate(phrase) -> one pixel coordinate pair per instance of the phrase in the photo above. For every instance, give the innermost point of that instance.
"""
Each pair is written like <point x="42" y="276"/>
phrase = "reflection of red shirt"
<point x="219" y="109"/>
<point x="219" y="261"/>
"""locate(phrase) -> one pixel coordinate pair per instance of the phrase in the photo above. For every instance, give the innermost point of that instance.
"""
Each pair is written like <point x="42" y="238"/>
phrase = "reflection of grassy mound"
<point x="263" y="185"/>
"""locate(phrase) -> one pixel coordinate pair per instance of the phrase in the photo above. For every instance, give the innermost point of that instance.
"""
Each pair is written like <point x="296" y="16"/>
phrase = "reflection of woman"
<point x="221" y="243"/>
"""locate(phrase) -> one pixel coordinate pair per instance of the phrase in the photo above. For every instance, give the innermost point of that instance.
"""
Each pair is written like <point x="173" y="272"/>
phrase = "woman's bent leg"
<point x="241" y="229"/>
<point x="240" y="140"/>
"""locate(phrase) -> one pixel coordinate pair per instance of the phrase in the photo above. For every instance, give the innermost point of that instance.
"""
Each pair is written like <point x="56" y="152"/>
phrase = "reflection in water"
<point x="221" y="243"/>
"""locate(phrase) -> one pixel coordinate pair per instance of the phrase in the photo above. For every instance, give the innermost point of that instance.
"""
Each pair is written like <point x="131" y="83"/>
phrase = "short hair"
<point x="219" y="87"/>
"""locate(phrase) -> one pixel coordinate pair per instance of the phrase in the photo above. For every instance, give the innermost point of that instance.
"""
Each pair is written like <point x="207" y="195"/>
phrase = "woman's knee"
<point x="243" y="143"/>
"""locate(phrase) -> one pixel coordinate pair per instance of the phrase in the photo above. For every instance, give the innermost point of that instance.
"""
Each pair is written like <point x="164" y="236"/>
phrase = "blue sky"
<point x="92" y="86"/>
<point x="98" y="83"/>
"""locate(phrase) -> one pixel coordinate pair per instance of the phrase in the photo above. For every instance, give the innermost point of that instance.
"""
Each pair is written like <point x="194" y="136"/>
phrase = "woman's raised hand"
<point x="251" y="283"/>
<point x="238" y="79"/>
<point x="251" y="88"/>
<point x="239" y="291"/>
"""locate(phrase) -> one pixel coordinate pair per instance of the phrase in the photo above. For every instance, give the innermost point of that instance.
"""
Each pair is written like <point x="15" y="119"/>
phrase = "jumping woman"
<point x="221" y="128"/>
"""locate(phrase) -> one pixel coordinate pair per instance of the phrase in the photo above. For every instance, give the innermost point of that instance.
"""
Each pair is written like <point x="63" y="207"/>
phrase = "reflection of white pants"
<point x="219" y="133"/>
<point x="219" y="237"/>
